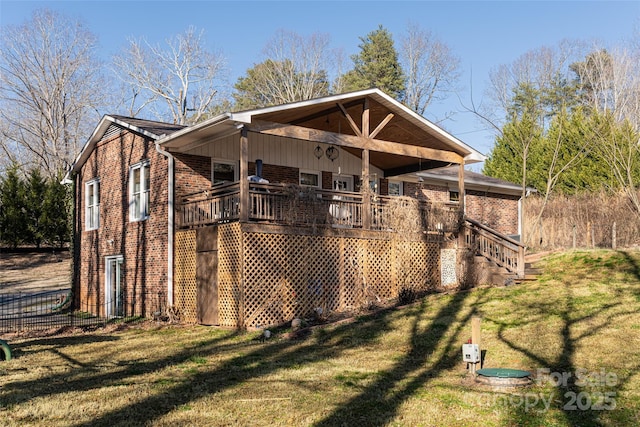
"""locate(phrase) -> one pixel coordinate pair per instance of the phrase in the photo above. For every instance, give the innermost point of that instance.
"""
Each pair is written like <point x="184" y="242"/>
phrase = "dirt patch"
<point x="34" y="271"/>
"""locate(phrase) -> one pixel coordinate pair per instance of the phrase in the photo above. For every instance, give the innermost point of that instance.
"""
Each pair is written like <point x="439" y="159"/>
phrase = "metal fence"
<point x="21" y="312"/>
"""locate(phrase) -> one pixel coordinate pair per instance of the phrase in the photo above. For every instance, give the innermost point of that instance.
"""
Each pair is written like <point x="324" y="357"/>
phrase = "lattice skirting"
<point x="184" y="276"/>
<point x="268" y="275"/>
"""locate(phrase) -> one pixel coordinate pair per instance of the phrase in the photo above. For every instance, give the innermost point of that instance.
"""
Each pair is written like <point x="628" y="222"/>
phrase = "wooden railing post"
<point x="521" y="261"/>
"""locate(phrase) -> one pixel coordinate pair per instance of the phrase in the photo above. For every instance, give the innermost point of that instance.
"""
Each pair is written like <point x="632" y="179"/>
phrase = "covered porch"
<point x="330" y="162"/>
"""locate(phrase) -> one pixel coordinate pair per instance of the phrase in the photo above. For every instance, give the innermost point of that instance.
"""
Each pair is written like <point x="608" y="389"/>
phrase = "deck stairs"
<point x="498" y="259"/>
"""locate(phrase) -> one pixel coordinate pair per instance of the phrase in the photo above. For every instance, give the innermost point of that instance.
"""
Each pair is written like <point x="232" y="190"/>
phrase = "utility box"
<point x="471" y="353"/>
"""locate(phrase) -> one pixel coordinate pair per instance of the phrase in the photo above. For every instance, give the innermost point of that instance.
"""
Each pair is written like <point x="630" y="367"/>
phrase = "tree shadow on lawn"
<point x="580" y="404"/>
<point x="270" y="357"/>
<point x="380" y="401"/>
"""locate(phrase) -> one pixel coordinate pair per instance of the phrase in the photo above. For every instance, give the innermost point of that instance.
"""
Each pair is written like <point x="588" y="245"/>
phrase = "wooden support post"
<point x="366" y="191"/>
<point x="244" y="176"/>
<point x="476" y="337"/>
<point x="461" y="186"/>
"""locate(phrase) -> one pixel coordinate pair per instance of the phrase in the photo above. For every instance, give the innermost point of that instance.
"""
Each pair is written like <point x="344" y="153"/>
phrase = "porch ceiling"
<point x="328" y="117"/>
<point x="399" y="140"/>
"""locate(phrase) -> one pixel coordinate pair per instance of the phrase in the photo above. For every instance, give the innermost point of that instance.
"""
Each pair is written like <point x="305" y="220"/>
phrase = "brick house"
<point x="254" y="217"/>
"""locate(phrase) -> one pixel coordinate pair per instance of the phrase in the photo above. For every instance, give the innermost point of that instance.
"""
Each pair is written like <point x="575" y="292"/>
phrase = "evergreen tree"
<point x="56" y="210"/>
<point x="13" y="218"/>
<point x="376" y="65"/>
<point x="35" y="189"/>
<point x="511" y="153"/>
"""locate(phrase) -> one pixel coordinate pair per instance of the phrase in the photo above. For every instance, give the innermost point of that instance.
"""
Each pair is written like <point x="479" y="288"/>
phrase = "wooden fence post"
<point x="614" y="244"/>
<point x="476" y="337"/>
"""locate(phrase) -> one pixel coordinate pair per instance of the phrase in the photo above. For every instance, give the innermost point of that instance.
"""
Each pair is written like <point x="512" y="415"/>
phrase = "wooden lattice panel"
<point x="288" y="276"/>
<point x="378" y="268"/>
<point x="185" y="289"/>
<point x="229" y="274"/>
<point x="352" y="262"/>
<point x="271" y="277"/>
<point x="416" y="265"/>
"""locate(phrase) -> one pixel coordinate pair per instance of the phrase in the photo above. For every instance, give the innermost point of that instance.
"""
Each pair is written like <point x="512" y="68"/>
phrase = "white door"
<point x="113" y="286"/>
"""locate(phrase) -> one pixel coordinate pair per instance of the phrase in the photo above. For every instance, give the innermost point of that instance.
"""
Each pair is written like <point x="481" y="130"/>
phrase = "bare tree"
<point x="540" y="69"/>
<point x="179" y="83"/>
<point x="613" y="79"/>
<point x="50" y="92"/>
<point x="431" y="68"/>
<point x="523" y="96"/>
<point x="295" y="69"/>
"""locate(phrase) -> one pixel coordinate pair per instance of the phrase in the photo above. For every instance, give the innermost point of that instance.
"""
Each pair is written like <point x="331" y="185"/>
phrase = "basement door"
<point x="113" y="286"/>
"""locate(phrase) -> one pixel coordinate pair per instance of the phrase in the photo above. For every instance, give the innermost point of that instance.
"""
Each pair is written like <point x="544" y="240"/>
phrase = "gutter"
<point x="170" y="220"/>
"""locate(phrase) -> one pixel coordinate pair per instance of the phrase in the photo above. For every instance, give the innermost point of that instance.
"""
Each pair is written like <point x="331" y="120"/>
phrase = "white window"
<point x="454" y="196"/>
<point x="343" y="182"/>
<point x="310" y="179"/>
<point x="395" y="188"/>
<point x="223" y="171"/>
<point x="139" y="191"/>
<point x="92" y="203"/>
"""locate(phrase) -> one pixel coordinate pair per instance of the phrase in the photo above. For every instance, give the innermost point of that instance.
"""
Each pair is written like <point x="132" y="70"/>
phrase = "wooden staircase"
<point x="498" y="259"/>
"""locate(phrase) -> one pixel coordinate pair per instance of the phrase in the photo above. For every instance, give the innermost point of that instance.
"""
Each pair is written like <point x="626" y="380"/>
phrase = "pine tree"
<point x="56" y="208"/>
<point x="376" y="65"/>
<point x="13" y="218"/>
<point x="35" y="189"/>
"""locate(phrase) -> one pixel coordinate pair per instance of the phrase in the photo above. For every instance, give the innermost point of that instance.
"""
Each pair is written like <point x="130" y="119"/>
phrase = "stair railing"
<point x="498" y="248"/>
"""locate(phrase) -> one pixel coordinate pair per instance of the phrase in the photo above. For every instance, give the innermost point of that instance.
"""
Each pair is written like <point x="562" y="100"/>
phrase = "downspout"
<point x="170" y="220"/>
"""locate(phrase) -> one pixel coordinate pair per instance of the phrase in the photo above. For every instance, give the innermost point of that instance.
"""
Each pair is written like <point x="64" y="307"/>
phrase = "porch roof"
<point x="397" y="138"/>
<point x="473" y="181"/>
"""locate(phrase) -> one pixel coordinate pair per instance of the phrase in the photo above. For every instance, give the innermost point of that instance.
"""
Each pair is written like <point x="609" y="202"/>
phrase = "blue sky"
<point x="482" y="34"/>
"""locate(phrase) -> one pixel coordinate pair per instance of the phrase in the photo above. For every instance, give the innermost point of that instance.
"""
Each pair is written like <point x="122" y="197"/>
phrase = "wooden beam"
<point x="352" y="124"/>
<point x="328" y="111"/>
<point x="381" y="125"/>
<point x="389" y="147"/>
<point x="365" y="118"/>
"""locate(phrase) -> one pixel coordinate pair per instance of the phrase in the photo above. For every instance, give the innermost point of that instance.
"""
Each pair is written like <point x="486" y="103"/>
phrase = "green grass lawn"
<point x="580" y="323"/>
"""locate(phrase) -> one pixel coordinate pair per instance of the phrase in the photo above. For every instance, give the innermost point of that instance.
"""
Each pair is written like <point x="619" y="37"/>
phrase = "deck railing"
<point x="299" y="205"/>
<point x="218" y="204"/>
<point x="497" y="247"/>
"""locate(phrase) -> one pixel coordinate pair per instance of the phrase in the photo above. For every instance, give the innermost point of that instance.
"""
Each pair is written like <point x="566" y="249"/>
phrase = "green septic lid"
<point x="503" y="373"/>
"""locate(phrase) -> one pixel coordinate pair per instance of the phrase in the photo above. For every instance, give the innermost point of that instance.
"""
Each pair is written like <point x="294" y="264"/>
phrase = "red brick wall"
<point x="497" y="211"/>
<point x="143" y="244"/>
<point x="277" y="174"/>
<point x="327" y="180"/>
<point x="192" y="174"/>
<point x="429" y="192"/>
<point x="384" y="187"/>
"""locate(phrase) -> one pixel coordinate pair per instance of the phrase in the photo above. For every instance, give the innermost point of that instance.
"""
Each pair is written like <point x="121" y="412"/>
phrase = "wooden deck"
<point x="288" y="204"/>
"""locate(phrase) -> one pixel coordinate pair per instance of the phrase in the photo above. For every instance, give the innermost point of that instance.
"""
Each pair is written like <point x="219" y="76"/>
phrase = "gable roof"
<point x="336" y="114"/>
<point x="110" y="123"/>
<point x="327" y="114"/>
